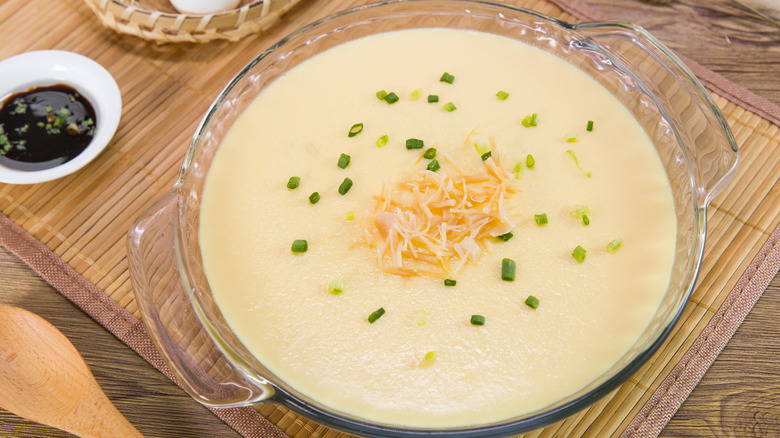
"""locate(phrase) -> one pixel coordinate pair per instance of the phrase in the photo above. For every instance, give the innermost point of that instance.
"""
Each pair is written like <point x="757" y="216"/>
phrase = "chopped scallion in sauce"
<point x="589" y="128"/>
<point x="336" y="286"/>
<point x="487" y="155"/>
<point x="579" y="254"/>
<point x="434" y="165"/>
<point x="446" y="77"/>
<point x="345" y="186"/>
<point x="430" y="154"/>
<point x="432" y="98"/>
<point x="382" y="141"/>
<point x="505" y="237"/>
<point x="614" y="245"/>
<point x="477" y="320"/>
<point x="502" y="95"/>
<point x="541" y="219"/>
<point x="449" y="282"/>
<point x="391" y="98"/>
<point x="449" y="107"/>
<point x="293" y="182"/>
<point x="529" y="161"/>
<point x="414" y="143"/>
<point x="314" y="197"/>
<point x="532" y="302"/>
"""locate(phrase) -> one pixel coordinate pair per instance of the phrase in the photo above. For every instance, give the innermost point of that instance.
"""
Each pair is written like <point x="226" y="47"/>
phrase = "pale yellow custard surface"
<point x="521" y="359"/>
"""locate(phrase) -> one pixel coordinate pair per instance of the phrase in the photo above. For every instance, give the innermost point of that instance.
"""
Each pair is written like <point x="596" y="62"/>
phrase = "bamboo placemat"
<point x="73" y="230"/>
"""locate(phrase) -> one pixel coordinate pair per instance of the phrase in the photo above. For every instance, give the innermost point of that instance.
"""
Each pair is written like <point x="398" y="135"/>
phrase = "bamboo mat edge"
<point x="68" y="256"/>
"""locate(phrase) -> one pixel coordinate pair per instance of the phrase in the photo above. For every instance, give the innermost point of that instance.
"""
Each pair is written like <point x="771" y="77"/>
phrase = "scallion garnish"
<point x="508" y="268"/>
<point x="505" y="237"/>
<point x="570" y="137"/>
<point x="529" y="161"/>
<point x="576" y="161"/>
<point x="540" y="219"/>
<point x="350" y="215"/>
<point x="449" y="107"/>
<point x="430" y="154"/>
<point x="391" y="98"/>
<point x="518" y="170"/>
<point x="579" y="253"/>
<point x="530" y="120"/>
<point x="336" y="286"/>
<point x="477" y="320"/>
<point x="345" y="186"/>
<point x="589" y="128"/>
<point x="376" y="315"/>
<point x="420" y="316"/>
<point x="446" y="77"/>
<point x="534" y="119"/>
<point x="356" y="129"/>
<point x="585" y="219"/>
<point x="449" y="282"/>
<point x="432" y="98"/>
<point x="486" y="155"/>
<point x="481" y="145"/>
<point x="428" y="359"/>
<point x="614" y="245"/>
<point x="381" y="94"/>
<point x="300" y="246"/>
<point x="502" y="95"/>
<point x="415" y="94"/>
<point x="382" y="141"/>
<point x="433" y="166"/>
<point x="414" y="143"/>
<point x="532" y="302"/>
<point x="293" y="182"/>
<point x="343" y="161"/>
<point x="314" y="197"/>
<point x="579" y="211"/>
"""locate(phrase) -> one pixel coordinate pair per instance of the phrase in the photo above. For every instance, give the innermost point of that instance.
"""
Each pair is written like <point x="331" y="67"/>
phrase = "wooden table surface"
<point x="739" y="396"/>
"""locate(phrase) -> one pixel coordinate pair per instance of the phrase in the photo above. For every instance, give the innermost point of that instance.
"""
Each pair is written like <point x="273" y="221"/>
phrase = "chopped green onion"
<point x="589" y="128"/>
<point x="391" y="98"/>
<point x="531" y="120"/>
<point x="449" y="282"/>
<point x="585" y="219"/>
<point x="336" y="286"/>
<point x="518" y="170"/>
<point x="376" y="315"/>
<point x="432" y="98"/>
<point x="502" y="95"/>
<point x="420" y="317"/>
<point x="571" y="152"/>
<point x="487" y="155"/>
<point x="570" y="137"/>
<point x="433" y="166"/>
<point x="350" y="215"/>
<point x="446" y="77"/>
<point x="381" y="94"/>
<point x="449" y="107"/>
<point x="356" y="129"/>
<point x="300" y="246"/>
<point x="345" y="186"/>
<point x="428" y="359"/>
<point x="529" y="161"/>
<point x="579" y="253"/>
<point x="382" y="141"/>
<point x="293" y="182"/>
<point x="481" y="145"/>
<point x="415" y="94"/>
<point x="430" y="154"/>
<point x="508" y="268"/>
<point x="477" y="320"/>
<point x="532" y="302"/>
<point x="579" y="211"/>
<point x="314" y="197"/>
<point x="540" y="219"/>
<point x="344" y="161"/>
<point x="614" y="245"/>
<point x="414" y="143"/>
<point x="505" y="237"/>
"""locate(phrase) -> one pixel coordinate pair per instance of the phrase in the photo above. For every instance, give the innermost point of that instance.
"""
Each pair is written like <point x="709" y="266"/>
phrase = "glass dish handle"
<point x="704" y="134"/>
<point x="190" y="353"/>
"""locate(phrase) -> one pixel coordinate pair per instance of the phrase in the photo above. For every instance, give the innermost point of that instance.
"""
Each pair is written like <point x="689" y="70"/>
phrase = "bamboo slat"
<point x="166" y="89"/>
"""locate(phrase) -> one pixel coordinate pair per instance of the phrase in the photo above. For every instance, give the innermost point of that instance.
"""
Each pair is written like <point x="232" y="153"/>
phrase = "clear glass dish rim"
<point x="512" y="426"/>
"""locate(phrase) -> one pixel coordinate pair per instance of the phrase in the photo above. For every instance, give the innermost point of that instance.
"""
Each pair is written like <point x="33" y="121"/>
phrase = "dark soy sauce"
<point x="44" y="127"/>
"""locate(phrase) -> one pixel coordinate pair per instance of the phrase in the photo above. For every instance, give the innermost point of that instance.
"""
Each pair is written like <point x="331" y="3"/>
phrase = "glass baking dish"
<point x="689" y="132"/>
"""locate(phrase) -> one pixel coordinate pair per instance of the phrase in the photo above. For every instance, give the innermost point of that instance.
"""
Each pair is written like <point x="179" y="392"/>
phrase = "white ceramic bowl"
<point x="49" y="67"/>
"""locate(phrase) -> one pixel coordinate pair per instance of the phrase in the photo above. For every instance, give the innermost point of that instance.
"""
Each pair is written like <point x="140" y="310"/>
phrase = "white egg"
<point x="203" y="6"/>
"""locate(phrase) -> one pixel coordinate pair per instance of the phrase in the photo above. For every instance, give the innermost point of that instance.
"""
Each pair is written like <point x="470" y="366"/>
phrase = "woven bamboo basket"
<point x="157" y="20"/>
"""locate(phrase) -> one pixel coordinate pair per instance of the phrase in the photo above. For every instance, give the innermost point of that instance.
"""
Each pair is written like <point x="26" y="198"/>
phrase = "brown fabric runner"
<point x="653" y="416"/>
<point x="89" y="298"/>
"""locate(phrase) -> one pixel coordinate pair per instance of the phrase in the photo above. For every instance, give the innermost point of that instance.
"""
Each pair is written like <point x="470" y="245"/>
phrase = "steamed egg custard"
<point x="437" y="228"/>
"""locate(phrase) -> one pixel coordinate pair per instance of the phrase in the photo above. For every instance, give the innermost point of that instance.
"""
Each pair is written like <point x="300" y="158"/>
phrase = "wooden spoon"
<point x="43" y="378"/>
